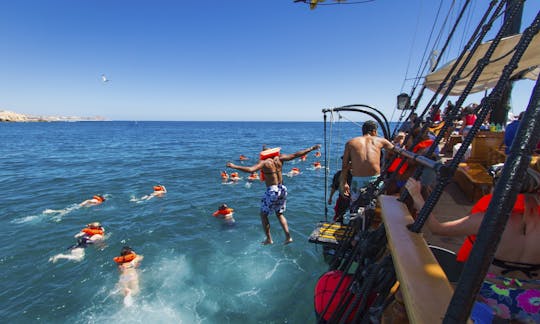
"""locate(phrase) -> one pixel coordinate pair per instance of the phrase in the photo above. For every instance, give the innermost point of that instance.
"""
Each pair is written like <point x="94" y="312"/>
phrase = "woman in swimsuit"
<point x="512" y="286"/>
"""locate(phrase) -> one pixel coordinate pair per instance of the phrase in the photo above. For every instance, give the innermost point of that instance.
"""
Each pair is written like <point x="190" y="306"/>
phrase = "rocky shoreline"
<point x="10" y="116"/>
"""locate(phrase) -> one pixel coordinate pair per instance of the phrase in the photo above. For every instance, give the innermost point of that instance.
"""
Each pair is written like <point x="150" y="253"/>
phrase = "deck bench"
<point x="424" y="286"/>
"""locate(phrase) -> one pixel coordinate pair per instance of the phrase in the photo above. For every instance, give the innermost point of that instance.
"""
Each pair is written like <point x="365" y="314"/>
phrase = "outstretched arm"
<point x="467" y="225"/>
<point x="249" y="169"/>
<point x="288" y="157"/>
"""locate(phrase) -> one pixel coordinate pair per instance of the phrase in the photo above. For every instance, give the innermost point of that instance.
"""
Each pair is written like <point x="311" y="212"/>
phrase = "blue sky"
<point x="214" y="60"/>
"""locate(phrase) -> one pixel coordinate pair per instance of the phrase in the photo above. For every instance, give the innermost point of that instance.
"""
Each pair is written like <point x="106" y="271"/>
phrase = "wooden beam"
<point x="425" y="288"/>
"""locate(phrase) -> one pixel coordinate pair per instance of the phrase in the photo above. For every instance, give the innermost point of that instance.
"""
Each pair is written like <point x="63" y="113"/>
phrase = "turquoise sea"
<point x="195" y="269"/>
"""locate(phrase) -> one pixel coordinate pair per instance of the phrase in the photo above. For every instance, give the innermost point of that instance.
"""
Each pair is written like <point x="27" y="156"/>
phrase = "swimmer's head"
<point x="126" y="250"/>
<point x="223" y="207"/>
<point x="94" y="225"/>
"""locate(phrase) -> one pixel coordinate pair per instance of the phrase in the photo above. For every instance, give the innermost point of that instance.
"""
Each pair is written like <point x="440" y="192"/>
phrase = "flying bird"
<point x="104" y="78"/>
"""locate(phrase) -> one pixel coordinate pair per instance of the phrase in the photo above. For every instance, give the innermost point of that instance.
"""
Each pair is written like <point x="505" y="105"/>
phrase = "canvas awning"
<point x="528" y="67"/>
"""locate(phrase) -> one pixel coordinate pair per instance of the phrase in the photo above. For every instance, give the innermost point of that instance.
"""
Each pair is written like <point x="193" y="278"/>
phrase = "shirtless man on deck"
<point x="362" y="156"/>
<point x="275" y="196"/>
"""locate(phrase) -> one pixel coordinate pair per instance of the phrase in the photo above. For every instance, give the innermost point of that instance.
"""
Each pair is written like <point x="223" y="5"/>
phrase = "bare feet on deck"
<point x="267" y="241"/>
<point x="287" y="241"/>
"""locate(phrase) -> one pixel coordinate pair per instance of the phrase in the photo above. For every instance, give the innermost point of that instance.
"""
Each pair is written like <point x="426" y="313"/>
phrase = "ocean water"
<point x="195" y="269"/>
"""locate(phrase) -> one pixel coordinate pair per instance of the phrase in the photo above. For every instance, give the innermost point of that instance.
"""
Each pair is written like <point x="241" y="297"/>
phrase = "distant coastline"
<point x="10" y="116"/>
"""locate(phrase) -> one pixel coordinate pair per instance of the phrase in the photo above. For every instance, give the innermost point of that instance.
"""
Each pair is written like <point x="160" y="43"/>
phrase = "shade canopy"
<point x="528" y="67"/>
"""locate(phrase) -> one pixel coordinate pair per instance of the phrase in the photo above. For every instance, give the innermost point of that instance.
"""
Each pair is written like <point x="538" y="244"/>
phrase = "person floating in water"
<point x="254" y="176"/>
<point x="159" y="191"/>
<point x="317" y="165"/>
<point x="224" y="176"/>
<point x="275" y="196"/>
<point x="243" y="158"/>
<point x="235" y="177"/>
<point x="128" y="282"/>
<point x="294" y="172"/>
<point x="91" y="234"/>
<point x="226" y="213"/>
<point x="96" y="200"/>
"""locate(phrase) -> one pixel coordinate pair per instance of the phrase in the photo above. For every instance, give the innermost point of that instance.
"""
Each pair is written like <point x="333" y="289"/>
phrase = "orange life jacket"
<point x="159" y="188"/>
<point x="93" y="231"/>
<point x="269" y="153"/>
<point x="481" y="206"/>
<point x="224" y="175"/>
<point x="422" y="145"/>
<point x="223" y="212"/>
<point x="125" y="258"/>
<point x="98" y="198"/>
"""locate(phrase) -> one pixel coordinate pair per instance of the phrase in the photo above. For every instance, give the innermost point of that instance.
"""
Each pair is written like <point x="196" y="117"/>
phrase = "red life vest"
<point x="422" y="145"/>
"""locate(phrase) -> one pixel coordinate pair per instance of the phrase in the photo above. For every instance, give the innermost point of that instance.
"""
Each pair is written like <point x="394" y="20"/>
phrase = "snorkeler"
<point x="128" y="282"/>
<point x="225" y="213"/>
<point x="91" y="234"/>
<point x="96" y="200"/>
<point x="159" y="191"/>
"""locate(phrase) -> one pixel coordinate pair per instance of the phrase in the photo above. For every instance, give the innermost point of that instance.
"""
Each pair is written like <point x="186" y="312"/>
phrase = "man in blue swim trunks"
<point x="275" y="196"/>
<point x="362" y="156"/>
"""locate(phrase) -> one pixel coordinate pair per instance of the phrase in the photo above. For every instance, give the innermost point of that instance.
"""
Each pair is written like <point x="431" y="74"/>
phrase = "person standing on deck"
<point x="275" y="196"/>
<point x="362" y="157"/>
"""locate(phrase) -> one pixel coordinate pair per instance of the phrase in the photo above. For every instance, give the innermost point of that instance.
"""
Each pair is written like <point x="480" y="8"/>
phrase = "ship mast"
<point x="499" y="114"/>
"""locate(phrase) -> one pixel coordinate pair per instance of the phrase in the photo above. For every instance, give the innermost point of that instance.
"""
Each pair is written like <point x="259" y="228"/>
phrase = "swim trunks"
<point x="509" y="300"/>
<point x="358" y="183"/>
<point x="274" y="199"/>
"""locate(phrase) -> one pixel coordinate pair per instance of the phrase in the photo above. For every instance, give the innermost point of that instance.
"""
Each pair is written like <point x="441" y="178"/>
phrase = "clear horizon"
<point x="246" y="60"/>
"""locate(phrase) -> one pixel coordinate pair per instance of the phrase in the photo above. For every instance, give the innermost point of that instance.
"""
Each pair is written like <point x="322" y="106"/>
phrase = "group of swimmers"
<point x="234" y="177"/>
<point x="127" y="261"/>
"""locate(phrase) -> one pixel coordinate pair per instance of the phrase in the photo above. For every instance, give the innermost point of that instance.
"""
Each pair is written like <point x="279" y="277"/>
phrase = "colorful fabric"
<point x="510" y="301"/>
<point x="274" y="199"/>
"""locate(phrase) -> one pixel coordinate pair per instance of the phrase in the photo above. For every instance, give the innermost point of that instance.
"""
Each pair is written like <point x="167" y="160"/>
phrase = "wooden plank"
<point x="426" y="290"/>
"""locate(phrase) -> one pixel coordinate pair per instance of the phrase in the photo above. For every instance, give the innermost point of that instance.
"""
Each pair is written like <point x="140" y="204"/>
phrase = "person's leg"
<point x="285" y="226"/>
<point x="266" y="228"/>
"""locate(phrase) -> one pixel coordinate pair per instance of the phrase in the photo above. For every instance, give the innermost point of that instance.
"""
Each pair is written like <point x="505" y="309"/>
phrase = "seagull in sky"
<point x="104" y="78"/>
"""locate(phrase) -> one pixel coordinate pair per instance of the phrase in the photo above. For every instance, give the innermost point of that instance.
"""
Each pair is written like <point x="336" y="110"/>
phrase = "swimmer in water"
<point x="294" y="172"/>
<point x="128" y="282"/>
<point x="159" y="191"/>
<point x="317" y="165"/>
<point x="91" y="234"/>
<point x="253" y="176"/>
<point x="96" y="200"/>
<point x="225" y="213"/>
<point x="243" y="158"/>
<point x="224" y="176"/>
<point x="235" y="177"/>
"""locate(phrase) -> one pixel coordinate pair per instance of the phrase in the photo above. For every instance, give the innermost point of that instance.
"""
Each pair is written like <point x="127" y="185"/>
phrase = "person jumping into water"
<point x="128" y="282"/>
<point x="275" y="197"/>
<point x="91" y="234"/>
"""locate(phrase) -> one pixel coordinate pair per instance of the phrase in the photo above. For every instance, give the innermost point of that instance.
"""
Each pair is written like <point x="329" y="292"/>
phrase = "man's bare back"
<point x="364" y="155"/>
<point x="272" y="170"/>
